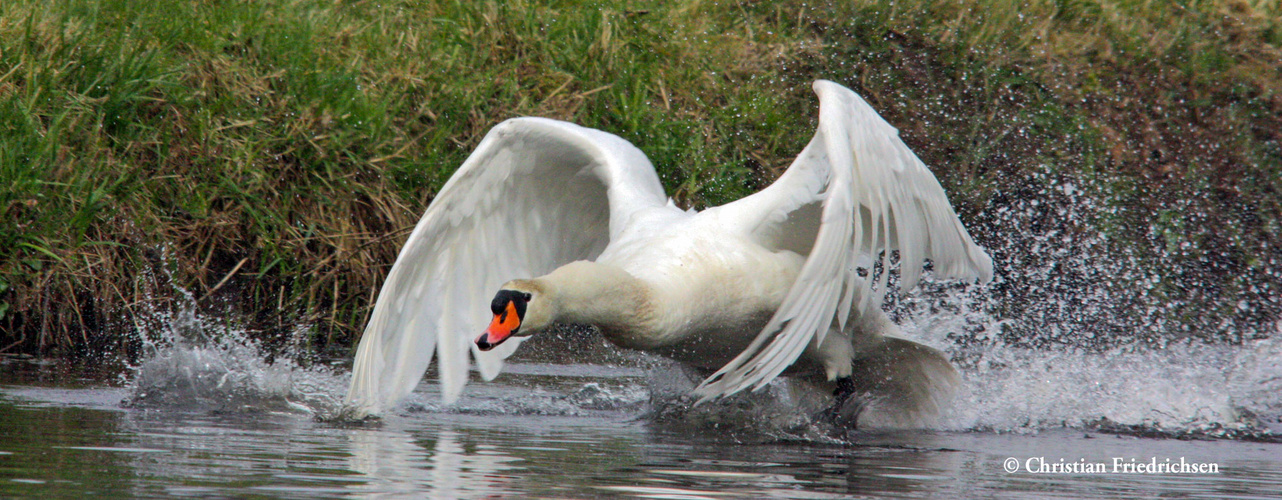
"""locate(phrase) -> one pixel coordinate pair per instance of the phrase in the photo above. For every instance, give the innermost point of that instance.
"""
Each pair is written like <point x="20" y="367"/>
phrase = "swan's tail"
<point x="895" y="384"/>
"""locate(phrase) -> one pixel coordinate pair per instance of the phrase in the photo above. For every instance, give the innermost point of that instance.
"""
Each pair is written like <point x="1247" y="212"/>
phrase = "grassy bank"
<point x="1123" y="159"/>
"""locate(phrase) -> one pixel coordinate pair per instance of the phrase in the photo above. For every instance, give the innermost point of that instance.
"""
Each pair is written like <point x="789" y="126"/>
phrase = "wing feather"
<point x="503" y="215"/>
<point x="877" y="196"/>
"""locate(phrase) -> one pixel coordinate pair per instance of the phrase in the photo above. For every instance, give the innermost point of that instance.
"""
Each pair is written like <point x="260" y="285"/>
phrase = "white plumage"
<point x="751" y="287"/>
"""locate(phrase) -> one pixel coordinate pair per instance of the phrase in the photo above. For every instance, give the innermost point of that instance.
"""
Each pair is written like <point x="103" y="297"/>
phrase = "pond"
<point x="217" y="421"/>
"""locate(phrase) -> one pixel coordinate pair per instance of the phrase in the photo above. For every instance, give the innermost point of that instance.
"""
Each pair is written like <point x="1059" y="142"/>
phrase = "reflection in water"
<point x="394" y="462"/>
<point x="389" y="459"/>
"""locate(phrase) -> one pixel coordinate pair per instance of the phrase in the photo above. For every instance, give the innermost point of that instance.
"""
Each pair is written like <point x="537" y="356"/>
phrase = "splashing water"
<point x="195" y="362"/>
<point x="1184" y="389"/>
<point x="1070" y="335"/>
<point x="1076" y="332"/>
<point x="1189" y="389"/>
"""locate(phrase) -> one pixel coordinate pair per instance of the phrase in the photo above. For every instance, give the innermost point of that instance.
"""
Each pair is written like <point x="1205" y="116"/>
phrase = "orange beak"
<point x="504" y="325"/>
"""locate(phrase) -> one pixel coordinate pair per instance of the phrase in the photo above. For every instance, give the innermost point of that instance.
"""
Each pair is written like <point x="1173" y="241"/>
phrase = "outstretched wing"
<point x="536" y="194"/>
<point x="855" y="190"/>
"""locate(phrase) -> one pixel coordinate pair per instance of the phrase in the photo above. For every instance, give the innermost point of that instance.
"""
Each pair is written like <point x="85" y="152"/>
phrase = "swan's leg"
<point x="834" y="354"/>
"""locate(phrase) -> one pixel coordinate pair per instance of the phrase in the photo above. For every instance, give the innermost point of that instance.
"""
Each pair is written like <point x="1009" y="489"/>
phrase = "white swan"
<point x="749" y="287"/>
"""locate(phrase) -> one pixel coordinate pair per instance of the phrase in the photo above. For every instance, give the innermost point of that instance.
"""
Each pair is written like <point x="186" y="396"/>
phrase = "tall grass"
<point x="272" y="156"/>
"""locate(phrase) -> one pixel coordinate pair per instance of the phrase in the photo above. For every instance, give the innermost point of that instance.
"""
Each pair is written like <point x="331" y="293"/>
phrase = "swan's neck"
<point x="605" y="296"/>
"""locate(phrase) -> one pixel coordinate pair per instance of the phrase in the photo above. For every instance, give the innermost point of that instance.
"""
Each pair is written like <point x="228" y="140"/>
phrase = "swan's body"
<point x="570" y="225"/>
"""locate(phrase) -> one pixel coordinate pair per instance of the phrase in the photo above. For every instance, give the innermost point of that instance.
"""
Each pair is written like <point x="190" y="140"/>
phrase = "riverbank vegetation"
<point x="1121" y="158"/>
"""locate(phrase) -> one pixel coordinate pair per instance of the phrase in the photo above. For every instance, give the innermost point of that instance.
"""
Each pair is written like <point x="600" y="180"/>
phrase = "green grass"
<point x="297" y="142"/>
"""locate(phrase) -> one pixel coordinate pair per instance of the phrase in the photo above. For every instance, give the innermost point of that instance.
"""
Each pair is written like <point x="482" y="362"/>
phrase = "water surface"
<point x="542" y="430"/>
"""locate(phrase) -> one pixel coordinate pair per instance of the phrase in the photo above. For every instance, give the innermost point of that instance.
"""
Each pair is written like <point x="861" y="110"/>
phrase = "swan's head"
<point x="520" y="310"/>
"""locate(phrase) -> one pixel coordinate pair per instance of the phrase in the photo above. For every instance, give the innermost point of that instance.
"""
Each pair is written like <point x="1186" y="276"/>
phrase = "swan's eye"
<point x="499" y="304"/>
